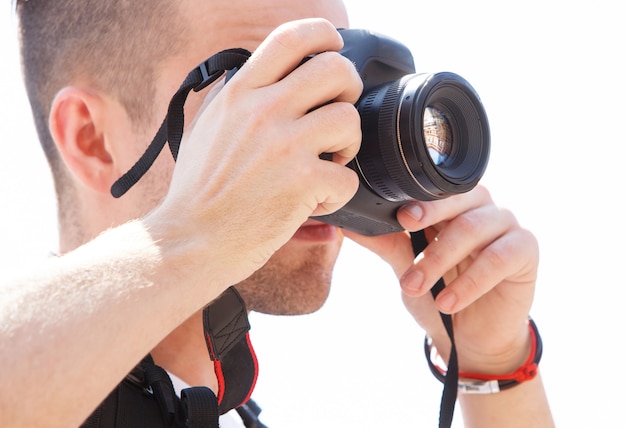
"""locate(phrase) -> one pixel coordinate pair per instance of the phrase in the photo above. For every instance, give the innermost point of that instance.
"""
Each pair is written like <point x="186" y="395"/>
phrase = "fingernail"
<point x="446" y="301"/>
<point x="412" y="282"/>
<point x="415" y="211"/>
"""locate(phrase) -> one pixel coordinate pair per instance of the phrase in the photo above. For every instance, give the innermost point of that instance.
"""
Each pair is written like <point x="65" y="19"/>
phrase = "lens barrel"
<point x="425" y="137"/>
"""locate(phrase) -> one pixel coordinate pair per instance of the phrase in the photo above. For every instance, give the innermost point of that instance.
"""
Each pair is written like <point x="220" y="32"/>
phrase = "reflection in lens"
<point x="438" y="135"/>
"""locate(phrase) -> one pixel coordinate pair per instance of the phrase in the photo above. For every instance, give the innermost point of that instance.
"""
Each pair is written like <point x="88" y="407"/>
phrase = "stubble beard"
<point x="291" y="282"/>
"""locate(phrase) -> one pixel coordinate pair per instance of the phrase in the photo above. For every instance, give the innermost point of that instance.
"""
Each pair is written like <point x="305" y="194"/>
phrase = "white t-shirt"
<point x="227" y="420"/>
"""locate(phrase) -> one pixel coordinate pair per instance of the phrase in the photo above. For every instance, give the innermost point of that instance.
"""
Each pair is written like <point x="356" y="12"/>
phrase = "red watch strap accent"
<point x="479" y="383"/>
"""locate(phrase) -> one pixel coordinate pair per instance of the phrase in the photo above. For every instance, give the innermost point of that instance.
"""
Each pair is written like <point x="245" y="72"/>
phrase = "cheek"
<point x="150" y="190"/>
<point x="159" y="176"/>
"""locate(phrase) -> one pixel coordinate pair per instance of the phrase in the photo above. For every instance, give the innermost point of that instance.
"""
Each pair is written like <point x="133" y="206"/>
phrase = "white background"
<point x="551" y="75"/>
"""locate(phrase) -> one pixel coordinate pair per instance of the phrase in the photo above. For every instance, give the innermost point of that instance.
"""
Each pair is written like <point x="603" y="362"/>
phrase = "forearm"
<point x="524" y="406"/>
<point x="71" y="330"/>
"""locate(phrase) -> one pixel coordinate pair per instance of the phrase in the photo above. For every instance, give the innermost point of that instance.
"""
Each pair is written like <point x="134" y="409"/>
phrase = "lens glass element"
<point x="437" y="135"/>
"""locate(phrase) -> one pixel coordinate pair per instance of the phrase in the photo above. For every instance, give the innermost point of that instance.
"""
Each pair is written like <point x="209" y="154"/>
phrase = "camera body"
<point x="424" y="136"/>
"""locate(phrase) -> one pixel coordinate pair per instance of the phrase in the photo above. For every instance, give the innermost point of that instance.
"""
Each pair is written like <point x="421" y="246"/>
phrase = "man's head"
<point x="100" y="73"/>
<point x="101" y="50"/>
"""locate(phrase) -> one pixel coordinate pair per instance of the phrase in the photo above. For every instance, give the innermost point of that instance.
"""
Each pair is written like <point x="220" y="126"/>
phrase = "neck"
<point x="183" y="352"/>
<point x="80" y="219"/>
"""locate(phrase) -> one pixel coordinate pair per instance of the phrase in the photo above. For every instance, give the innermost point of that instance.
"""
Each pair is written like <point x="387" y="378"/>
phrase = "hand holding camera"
<point x="249" y="165"/>
<point x="423" y="136"/>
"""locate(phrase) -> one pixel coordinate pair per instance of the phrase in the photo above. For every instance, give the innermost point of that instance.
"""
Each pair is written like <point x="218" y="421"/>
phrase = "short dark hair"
<point x="114" y="43"/>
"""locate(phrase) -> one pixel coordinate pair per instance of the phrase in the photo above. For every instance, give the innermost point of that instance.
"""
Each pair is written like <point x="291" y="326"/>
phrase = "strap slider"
<point x="208" y="77"/>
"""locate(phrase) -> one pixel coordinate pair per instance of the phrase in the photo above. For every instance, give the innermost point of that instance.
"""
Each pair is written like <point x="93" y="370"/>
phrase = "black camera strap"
<point x="171" y="129"/>
<point x="450" y="385"/>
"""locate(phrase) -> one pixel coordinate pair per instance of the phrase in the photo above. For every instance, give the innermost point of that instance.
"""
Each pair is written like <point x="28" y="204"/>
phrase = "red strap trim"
<point x="221" y="383"/>
<point x="256" y="368"/>
<point x="217" y="368"/>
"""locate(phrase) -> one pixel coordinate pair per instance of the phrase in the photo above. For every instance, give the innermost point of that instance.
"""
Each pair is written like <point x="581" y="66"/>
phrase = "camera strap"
<point x="451" y="382"/>
<point x="171" y="129"/>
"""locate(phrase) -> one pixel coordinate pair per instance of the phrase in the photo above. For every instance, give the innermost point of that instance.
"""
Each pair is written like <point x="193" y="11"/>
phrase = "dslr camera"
<point x="425" y="135"/>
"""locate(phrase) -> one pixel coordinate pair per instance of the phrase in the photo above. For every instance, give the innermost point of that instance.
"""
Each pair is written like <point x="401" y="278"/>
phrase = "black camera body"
<point x="424" y="136"/>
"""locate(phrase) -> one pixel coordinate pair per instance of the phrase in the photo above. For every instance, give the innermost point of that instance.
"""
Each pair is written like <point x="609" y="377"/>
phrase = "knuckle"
<point x="352" y="183"/>
<point x="294" y="35"/>
<point x="466" y="224"/>
<point x="496" y="256"/>
<point x="333" y="63"/>
<point x="508" y="216"/>
<point x="338" y="65"/>
<point x="349" y="117"/>
<point x="471" y="285"/>
<point x="342" y="119"/>
<point x="528" y="240"/>
<point x="434" y="258"/>
<point x="483" y="193"/>
<point x="345" y="65"/>
<point x="288" y="36"/>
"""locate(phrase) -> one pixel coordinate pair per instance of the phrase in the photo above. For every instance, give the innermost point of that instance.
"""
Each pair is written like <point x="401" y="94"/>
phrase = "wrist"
<point x="492" y="378"/>
<point x="185" y="257"/>
<point x="488" y="353"/>
<point x="498" y="358"/>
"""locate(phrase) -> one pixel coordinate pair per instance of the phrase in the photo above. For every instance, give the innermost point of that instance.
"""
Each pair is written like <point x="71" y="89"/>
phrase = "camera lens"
<point x="425" y="137"/>
<point x="437" y="135"/>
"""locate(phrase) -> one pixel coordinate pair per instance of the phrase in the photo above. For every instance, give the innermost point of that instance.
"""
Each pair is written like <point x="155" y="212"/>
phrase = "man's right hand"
<point x="248" y="173"/>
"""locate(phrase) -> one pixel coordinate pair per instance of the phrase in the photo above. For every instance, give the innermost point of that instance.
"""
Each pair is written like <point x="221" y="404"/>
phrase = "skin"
<point x="180" y="259"/>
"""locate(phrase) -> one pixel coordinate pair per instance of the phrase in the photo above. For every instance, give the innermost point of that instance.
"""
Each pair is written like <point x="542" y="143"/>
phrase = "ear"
<point x="77" y="119"/>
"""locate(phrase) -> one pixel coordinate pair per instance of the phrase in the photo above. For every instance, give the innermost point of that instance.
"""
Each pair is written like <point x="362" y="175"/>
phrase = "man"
<point x="100" y="75"/>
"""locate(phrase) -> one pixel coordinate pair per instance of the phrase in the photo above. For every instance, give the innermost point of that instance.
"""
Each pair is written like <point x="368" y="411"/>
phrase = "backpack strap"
<point x="141" y="399"/>
<point x="200" y="407"/>
<point x="146" y="396"/>
<point x="226" y="330"/>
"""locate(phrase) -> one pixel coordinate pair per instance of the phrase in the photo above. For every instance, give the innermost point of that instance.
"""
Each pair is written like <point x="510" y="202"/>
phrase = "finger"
<point x="341" y="184"/>
<point x="328" y="76"/>
<point x="419" y="215"/>
<point x="394" y="248"/>
<point x="337" y="130"/>
<point x="285" y="48"/>
<point x="512" y="258"/>
<point x="463" y="237"/>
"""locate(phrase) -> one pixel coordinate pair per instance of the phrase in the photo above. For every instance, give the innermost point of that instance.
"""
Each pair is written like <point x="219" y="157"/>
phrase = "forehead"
<point x="211" y="26"/>
<point x="222" y="24"/>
